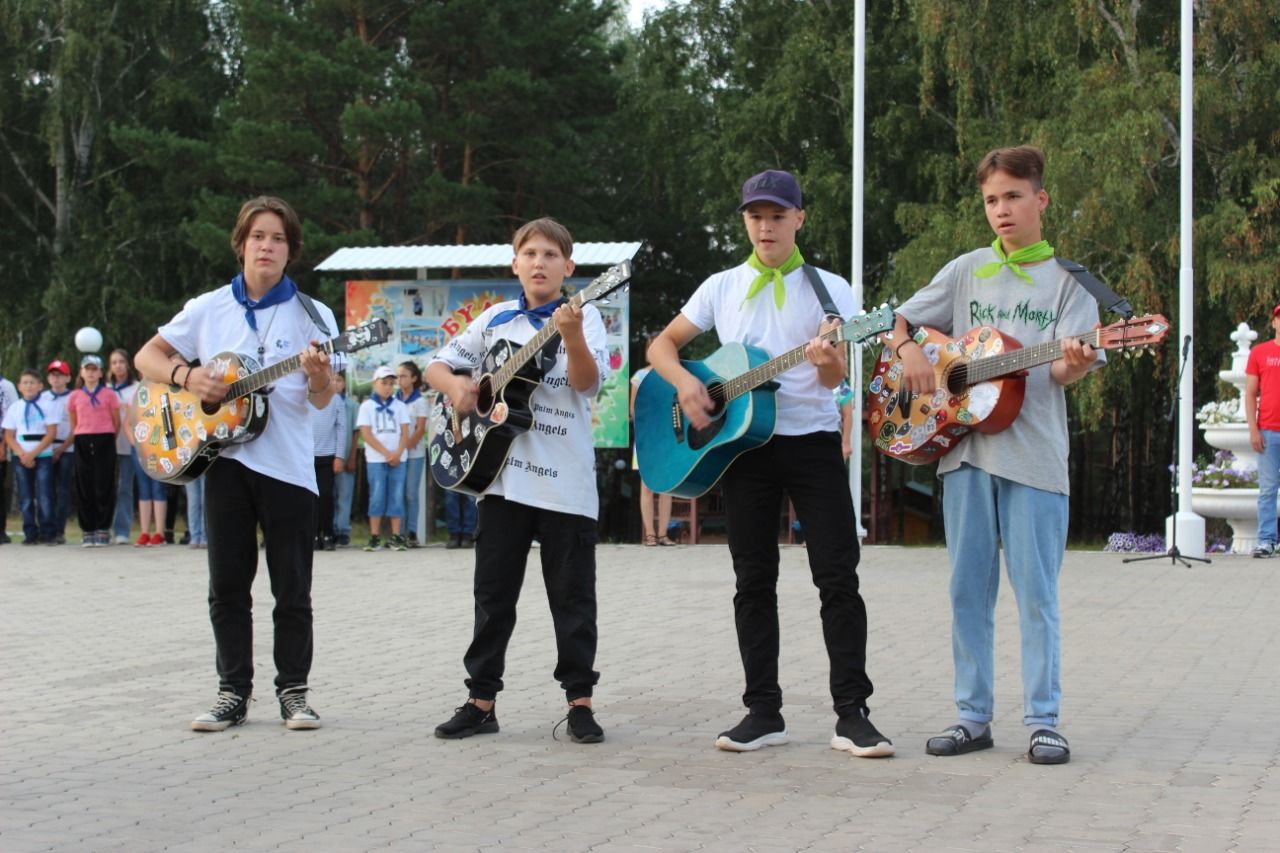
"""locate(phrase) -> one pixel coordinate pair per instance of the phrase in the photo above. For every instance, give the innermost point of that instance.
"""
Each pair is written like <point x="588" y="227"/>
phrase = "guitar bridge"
<point x="166" y="418"/>
<point x="677" y="423"/>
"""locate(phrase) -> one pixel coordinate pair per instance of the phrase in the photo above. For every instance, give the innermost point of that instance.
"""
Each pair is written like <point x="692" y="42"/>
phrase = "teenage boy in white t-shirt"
<point x="268" y="482"/>
<point x="547" y="488"/>
<point x="769" y="302"/>
<point x="29" y="432"/>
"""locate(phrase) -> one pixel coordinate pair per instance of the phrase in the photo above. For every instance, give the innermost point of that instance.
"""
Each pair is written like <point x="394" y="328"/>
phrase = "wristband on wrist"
<point x="897" y="352"/>
<point x="186" y="378"/>
<point x="173" y="374"/>
<point x="312" y="392"/>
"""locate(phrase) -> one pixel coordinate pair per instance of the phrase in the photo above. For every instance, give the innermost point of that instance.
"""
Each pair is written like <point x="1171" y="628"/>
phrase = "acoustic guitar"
<point x="468" y="451"/>
<point x="678" y="459"/>
<point x="178" y="435"/>
<point x="981" y="383"/>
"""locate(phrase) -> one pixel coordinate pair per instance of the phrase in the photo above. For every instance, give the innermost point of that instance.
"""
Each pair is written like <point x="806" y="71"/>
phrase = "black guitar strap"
<point x="314" y="313"/>
<point x="1106" y="297"/>
<point x="820" y="290"/>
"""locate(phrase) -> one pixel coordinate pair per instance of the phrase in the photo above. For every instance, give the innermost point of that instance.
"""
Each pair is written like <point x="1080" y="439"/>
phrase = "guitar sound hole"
<point x="956" y="378"/>
<point x="210" y="409"/>
<point x="699" y="438"/>
<point x="484" y="398"/>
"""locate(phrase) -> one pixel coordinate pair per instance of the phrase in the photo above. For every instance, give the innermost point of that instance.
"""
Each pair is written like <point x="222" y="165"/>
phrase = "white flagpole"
<point x="855" y="272"/>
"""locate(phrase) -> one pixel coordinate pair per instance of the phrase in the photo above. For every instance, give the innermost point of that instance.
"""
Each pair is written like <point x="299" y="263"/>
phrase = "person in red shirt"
<point x="1262" y="413"/>
<point x="93" y="411"/>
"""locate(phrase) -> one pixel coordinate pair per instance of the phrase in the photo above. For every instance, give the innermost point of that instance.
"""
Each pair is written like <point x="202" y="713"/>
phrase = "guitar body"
<point x="675" y="458"/>
<point x="928" y="428"/>
<point x="467" y="452"/>
<point x="178" y="436"/>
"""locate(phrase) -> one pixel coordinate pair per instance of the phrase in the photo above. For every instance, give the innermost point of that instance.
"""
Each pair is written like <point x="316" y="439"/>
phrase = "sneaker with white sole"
<point x="754" y="732"/>
<point x="1264" y="550"/>
<point x="856" y="734"/>
<point x="295" y="711"/>
<point x="229" y="710"/>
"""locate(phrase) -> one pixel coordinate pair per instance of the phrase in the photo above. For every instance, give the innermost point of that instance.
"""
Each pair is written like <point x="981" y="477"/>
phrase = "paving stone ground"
<point x="1169" y="677"/>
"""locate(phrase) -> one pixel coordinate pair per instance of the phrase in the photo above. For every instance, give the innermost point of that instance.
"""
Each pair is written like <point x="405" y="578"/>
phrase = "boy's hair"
<point x="267" y="204"/>
<point x="544" y="227"/>
<point x="1023" y="161"/>
<point x="30" y="371"/>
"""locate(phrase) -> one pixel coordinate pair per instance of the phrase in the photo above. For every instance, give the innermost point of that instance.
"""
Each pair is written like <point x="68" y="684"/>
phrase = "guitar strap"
<point x="314" y="314"/>
<point x="820" y="290"/>
<point x="1106" y="297"/>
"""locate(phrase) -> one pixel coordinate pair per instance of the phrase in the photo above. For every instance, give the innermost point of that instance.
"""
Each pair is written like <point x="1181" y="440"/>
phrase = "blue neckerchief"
<point x="118" y="388"/>
<point x="93" y="395"/>
<point x="56" y="395"/>
<point x="283" y="291"/>
<point x="26" y="413"/>
<point x="383" y="405"/>
<point x="537" y="316"/>
<point x="407" y="400"/>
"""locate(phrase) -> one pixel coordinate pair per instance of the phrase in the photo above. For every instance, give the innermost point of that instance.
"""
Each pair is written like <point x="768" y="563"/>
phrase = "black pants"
<point x="236" y="501"/>
<point x="324" y="507"/>
<point x="505" y="533"/>
<point x="95" y="480"/>
<point x="809" y="469"/>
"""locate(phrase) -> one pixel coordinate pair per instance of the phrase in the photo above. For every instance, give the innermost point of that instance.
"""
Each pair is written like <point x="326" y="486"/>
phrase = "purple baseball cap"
<point x="774" y="186"/>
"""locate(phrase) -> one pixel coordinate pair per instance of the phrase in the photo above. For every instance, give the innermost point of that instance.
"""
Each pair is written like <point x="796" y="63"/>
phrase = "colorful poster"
<point x="425" y="315"/>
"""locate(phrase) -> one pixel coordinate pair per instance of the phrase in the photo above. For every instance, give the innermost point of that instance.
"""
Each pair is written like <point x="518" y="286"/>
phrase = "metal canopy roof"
<point x="445" y="257"/>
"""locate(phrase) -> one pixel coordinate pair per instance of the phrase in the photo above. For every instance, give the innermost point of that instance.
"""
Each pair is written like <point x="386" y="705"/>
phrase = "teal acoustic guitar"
<point x="674" y="457"/>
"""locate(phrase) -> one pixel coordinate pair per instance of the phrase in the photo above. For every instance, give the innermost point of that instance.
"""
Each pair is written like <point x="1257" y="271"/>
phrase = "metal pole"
<point x="855" y="272"/>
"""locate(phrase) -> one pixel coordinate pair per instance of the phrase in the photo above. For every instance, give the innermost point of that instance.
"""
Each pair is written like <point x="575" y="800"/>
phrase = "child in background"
<point x="54" y="402"/>
<point x="93" y="411"/>
<point x="120" y="380"/>
<point x="29" y="433"/>
<point x="384" y="426"/>
<point x="409" y="380"/>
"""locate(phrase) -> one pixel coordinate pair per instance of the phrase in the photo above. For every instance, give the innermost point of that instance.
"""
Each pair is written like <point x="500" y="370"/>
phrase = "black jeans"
<point x="95" y="480"/>
<point x="236" y="501"/>
<point x="809" y="469"/>
<point x="324" y="506"/>
<point x="505" y="533"/>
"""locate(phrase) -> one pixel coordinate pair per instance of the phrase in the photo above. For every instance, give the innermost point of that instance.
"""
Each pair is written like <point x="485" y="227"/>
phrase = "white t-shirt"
<point x="419" y="408"/>
<point x="804" y="405"/>
<point x="214" y="323"/>
<point x="8" y="395"/>
<point x="55" y="409"/>
<point x="552" y="466"/>
<point x="24" y="422"/>
<point x="385" y="426"/>
<point x="125" y="396"/>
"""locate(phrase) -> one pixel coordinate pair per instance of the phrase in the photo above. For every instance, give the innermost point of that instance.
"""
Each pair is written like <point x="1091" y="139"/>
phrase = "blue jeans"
<point x="982" y="513"/>
<point x="195" y="511"/>
<point x="1268" y="482"/>
<point x="35" y="496"/>
<point x="413" y="470"/>
<point x="459" y="513"/>
<point x="149" y="488"/>
<point x="386" y="489"/>
<point x="344" y="488"/>
<point x="64" y="470"/>
<point x="125" y="469"/>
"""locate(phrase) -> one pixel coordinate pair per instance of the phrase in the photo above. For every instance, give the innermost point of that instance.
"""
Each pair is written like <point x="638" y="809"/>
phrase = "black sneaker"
<point x="398" y="543"/>
<point x="295" y="711"/>
<point x="375" y="544"/>
<point x="468" y="720"/>
<point x="856" y="734"/>
<point x="468" y="541"/>
<point x="455" y="541"/>
<point x="412" y="540"/>
<point x="755" y="731"/>
<point x="229" y="710"/>
<point x="582" y="725"/>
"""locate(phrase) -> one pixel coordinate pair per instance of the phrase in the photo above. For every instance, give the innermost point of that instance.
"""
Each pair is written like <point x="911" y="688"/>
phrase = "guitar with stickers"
<point x="981" y="382"/>
<point x="178" y="435"/>
<point x="467" y="452"/>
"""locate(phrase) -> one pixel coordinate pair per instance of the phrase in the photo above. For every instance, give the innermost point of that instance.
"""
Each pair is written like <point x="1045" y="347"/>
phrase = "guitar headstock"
<point x="604" y="284"/>
<point x="1134" y="333"/>
<point x="868" y="324"/>
<point x="365" y="335"/>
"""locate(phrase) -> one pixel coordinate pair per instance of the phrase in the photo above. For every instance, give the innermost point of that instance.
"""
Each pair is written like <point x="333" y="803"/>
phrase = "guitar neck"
<point x="755" y="377"/>
<point x="513" y="365"/>
<point x="1013" y="361"/>
<point x="262" y="378"/>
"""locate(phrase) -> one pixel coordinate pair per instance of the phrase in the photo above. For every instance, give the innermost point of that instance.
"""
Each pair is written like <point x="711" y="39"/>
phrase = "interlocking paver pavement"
<point x="1169" y="674"/>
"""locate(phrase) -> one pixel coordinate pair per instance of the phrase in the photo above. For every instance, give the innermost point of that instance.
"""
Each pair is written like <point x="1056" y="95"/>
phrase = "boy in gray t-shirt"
<point x="1007" y="489"/>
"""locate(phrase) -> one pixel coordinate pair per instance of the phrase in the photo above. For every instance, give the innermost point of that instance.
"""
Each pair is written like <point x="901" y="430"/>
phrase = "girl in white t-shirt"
<point x="409" y="380"/>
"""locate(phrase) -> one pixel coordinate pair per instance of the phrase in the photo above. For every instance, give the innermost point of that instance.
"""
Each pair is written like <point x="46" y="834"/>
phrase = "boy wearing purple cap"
<point x="1262" y="414"/>
<point x="802" y="460"/>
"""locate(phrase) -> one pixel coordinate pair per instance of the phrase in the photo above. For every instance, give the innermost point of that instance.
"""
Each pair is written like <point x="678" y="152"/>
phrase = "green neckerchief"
<point x="1041" y="251"/>
<point x="774" y="274"/>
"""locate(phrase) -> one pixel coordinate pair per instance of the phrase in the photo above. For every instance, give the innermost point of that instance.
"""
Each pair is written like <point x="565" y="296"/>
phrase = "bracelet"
<point x="173" y="374"/>
<point x="311" y="393"/>
<point x="186" y="378"/>
<point x="897" y="353"/>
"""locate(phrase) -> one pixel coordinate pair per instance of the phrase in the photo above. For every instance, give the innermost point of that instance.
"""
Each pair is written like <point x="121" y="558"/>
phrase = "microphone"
<point x="1186" y="347"/>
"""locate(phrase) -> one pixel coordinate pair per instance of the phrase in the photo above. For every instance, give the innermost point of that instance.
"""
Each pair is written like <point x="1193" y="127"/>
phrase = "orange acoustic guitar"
<point x="981" y="381"/>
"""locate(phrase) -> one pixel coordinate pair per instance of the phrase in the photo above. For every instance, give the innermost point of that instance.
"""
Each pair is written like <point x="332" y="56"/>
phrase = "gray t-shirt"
<point x="1033" y="450"/>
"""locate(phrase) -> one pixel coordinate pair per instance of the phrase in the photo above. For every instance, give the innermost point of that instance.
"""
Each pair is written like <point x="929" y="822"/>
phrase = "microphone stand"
<point x="1174" y="555"/>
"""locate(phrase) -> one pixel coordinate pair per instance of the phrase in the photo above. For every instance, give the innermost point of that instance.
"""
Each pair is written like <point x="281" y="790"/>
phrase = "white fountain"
<point x="1224" y="428"/>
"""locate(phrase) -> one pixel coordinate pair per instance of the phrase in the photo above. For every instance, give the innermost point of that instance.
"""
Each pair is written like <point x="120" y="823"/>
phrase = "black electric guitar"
<point x="178" y="435"/>
<point x="468" y="451"/>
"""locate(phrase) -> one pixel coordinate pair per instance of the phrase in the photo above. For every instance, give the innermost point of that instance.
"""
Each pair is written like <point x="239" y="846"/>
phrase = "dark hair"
<point x="1023" y="161"/>
<point x="30" y="371"/>
<point x="412" y="367"/>
<point x="546" y="227"/>
<point x="267" y="204"/>
<point x="119" y="351"/>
